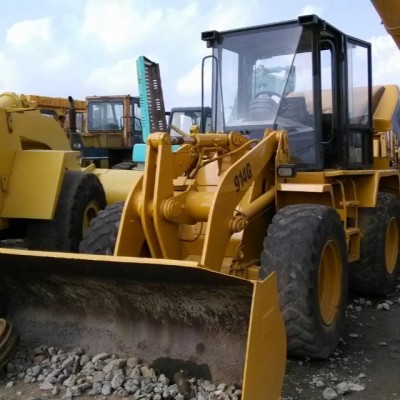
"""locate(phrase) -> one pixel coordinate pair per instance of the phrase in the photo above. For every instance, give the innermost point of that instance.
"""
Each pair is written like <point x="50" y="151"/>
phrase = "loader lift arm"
<point x="164" y="208"/>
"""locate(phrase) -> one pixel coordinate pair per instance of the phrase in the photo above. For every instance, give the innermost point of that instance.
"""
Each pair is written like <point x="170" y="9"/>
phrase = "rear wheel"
<point x="379" y="264"/>
<point x="101" y="236"/>
<point x="306" y="247"/>
<point x="81" y="198"/>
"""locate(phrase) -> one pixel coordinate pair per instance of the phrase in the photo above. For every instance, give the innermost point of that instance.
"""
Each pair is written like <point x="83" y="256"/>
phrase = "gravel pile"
<point x="70" y="374"/>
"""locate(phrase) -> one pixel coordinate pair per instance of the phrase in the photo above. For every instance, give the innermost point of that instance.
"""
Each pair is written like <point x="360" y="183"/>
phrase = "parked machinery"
<point x="281" y="208"/>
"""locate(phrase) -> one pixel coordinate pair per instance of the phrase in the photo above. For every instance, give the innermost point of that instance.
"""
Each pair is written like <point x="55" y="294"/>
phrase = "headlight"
<point x="286" y="171"/>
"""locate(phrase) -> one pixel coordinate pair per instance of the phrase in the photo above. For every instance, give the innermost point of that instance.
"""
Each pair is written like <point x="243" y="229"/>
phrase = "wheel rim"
<point x="392" y="245"/>
<point x="329" y="282"/>
<point x="91" y="211"/>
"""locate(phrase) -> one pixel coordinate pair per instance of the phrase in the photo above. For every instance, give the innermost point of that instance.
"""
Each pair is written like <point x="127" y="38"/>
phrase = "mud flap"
<point x="171" y="314"/>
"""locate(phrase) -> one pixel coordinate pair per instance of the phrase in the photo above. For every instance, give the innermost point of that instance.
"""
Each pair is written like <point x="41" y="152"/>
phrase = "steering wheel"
<point x="269" y="93"/>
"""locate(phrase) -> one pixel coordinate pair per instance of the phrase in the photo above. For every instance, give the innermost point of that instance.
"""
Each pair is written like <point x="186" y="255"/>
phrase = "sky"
<point x="80" y="48"/>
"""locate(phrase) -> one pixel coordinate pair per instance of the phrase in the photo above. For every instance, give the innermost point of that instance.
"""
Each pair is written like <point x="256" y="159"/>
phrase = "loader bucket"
<point x="171" y="314"/>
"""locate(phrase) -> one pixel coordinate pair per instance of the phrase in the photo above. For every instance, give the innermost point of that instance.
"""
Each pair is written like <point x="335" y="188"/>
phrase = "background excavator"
<point x="224" y="243"/>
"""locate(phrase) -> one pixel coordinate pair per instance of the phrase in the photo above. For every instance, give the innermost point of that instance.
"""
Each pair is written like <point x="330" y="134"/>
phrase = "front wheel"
<point x="101" y="236"/>
<point x="306" y="247"/>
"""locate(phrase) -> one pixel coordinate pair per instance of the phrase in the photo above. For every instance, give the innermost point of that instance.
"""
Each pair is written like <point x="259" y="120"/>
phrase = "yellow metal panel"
<point x="58" y="103"/>
<point x="308" y="187"/>
<point x="341" y="172"/>
<point x="389" y="11"/>
<point x="266" y="344"/>
<point x="38" y="131"/>
<point x="385" y="109"/>
<point x="34" y="184"/>
<point x="117" y="183"/>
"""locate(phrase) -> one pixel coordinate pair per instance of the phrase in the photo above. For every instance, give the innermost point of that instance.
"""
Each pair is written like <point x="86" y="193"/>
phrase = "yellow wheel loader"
<point x="240" y="233"/>
<point x="45" y="197"/>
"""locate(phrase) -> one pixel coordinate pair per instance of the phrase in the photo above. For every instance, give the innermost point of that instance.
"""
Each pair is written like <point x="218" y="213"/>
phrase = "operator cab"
<point x="304" y="76"/>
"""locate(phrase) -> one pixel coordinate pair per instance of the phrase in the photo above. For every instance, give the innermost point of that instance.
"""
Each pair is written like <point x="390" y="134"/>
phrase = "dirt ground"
<point x="368" y="355"/>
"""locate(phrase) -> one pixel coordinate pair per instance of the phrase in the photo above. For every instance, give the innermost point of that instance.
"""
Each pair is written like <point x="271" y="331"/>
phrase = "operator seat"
<point x="294" y="108"/>
<point x="262" y="107"/>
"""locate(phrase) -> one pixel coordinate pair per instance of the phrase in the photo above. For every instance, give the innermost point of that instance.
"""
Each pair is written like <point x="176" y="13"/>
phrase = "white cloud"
<point x="119" y="24"/>
<point x="190" y="84"/>
<point x="116" y="79"/>
<point x="28" y="32"/>
<point x="58" y="61"/>
<point x="385" y="60"/>
<point x="231" y="14"/>
<point x="7" y="76"/>
<point x="311" y="9"/>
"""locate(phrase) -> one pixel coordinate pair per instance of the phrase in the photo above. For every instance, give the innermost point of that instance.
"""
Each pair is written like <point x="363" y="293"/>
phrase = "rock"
<point x="131" y="386"/>
<point x="132" y="362"/>
<point x="69" y="362"/>
<point x="55" y="391"/>
<point x="112" y="366"/>
<point x="135" y="373"/>
<point x="106" y="389"/>
<point x="34" y="370"/>
<point x="354" y="335"/>
<point x="99" y="365"/>
<point x="84" y="360"/>
<point x="67" y="396"/>
<point x="386" y="306"/>
<point x="46" y="386"/>
<point x="355" y="387"/>
<point x="9" y="385"/>
<point x="118" y="379"/>
<point x="98" y="376"/>
<point x="147" y="372"/>
<point x="148" y="388"/>
<point x="163" y="380"/>
<point x="342" y="388"/>
<point x="101" y="356"/>
<point x="78" y="351"/>
<point x="84" y="386"/>
<point x="75" y="391"/>
<point x="96" y="389"/>
<point x="329" y="394"/>
<point x="121" y="392"/>
<point x="70" y="381"/>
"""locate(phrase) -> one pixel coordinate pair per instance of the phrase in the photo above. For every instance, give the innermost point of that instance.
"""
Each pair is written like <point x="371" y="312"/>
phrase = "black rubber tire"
<point x="101" y="236"/>
<point x="369" y="275"/>
<point x="293" y="248"/>
<point x="81" y="197"/>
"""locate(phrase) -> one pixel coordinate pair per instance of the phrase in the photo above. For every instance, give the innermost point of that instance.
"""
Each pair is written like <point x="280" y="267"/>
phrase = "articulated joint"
<point x="238" y="223"/>
<point x="172" y="209"/>
<point x="158" y="138"/>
